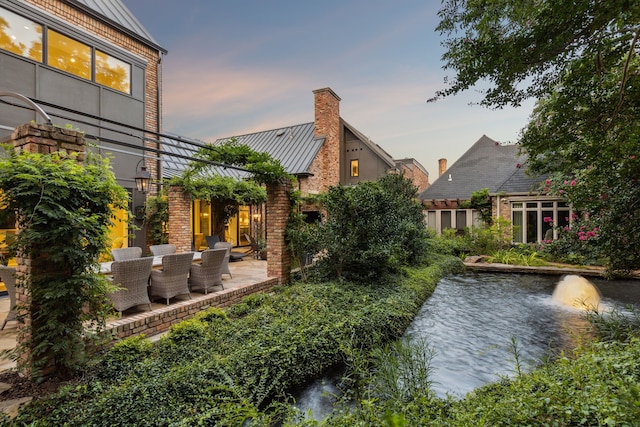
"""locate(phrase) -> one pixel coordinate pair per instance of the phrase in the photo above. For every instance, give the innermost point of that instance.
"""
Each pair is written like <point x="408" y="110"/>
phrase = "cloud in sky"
<point x="246" y="66"/>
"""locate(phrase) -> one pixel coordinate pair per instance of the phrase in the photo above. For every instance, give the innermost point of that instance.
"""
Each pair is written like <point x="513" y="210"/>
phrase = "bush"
<point x="371" y="230"/>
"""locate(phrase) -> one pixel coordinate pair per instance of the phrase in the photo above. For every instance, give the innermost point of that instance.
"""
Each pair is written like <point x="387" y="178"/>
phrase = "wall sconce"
<point x="143" y="179"/>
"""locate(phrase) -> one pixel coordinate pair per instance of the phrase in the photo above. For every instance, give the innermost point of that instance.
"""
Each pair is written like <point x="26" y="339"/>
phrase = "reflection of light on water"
<point x="577" y="292"/>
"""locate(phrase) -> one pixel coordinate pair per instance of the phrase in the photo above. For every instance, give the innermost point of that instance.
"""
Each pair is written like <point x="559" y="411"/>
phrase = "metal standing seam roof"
<point x="487" y="164"/>
<point x="294" y="146"/>
<point x="116" y="13"/>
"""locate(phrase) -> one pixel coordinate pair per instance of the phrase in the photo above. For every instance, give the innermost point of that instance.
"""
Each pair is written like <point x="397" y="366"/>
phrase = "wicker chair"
<point x="212" y="240"/>
<point x="123" y="254"/>
<point x="8" y="276"/>
<point x="133" y="276"/>
<point x="225" y="262"/>
<point x="166" y="249"/>
<point x="173" y="279"/>
<point x="208" y="274"/>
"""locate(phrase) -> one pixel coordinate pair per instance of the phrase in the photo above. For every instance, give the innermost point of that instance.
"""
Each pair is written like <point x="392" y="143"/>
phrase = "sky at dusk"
<point x="241" y="66"/>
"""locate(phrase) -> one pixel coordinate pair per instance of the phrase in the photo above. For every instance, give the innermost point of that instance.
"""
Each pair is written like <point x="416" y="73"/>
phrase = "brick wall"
<point x="44" y="139"/>
<point x="179" y="219"/>
<point x="327" y="124"/>
<point x="278" y="208"/>
<point x="160" y="320"/>
<point x="416" y="175"/>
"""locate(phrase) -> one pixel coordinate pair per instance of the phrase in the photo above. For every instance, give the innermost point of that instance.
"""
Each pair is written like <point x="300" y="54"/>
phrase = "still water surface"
<point x="471" y="319"/>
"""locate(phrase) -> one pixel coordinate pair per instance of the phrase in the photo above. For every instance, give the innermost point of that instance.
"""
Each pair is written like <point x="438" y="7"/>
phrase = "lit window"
<point x="113" y="72"/>
<point x="20" y="35"/>
<point x="69" y="55"/>
<point x="355" y="168"/>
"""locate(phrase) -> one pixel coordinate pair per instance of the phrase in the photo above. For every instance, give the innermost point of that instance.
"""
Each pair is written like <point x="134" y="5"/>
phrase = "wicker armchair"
<point x="133" y="276"/>
<point x="208" y="274"/>
<point x="166" y="249"/>
<point x="123" y="254"/>
<point x="225" y="262"/>
<point x="173" y="279"/>
<point x="8" y="276"/>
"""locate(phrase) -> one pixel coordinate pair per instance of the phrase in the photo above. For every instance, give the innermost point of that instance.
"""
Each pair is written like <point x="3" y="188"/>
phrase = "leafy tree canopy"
<point x="580" y="60"/>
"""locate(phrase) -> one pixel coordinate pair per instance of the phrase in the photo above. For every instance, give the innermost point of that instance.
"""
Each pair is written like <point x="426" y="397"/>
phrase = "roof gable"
<point x="117" y="14"/>
<point x="375" y="148"/>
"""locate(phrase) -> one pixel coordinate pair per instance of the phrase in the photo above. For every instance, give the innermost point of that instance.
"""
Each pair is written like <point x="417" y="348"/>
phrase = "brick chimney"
<point x="442" y="166"/>
<point x="327" y="125"/>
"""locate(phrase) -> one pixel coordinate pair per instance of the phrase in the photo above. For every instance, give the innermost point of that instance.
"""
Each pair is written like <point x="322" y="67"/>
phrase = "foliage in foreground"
<point x="64" y="209"/>
<point x="226" y="367"/>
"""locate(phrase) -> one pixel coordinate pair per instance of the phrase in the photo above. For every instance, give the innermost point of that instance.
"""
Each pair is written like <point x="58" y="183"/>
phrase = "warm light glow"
<point x="577" y="292"/>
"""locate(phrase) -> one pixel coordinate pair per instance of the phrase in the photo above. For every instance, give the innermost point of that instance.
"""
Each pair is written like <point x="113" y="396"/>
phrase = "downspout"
<point x="159" y="114"/>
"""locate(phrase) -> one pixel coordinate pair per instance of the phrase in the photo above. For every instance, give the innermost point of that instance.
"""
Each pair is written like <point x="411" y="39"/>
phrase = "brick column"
<point x="278" y="208"/>
<point x="179" y="219"/>
<point x="44" y="139"/>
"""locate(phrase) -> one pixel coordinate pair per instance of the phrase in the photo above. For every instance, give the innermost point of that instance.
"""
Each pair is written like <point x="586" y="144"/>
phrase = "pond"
<point x="472" y="320"/>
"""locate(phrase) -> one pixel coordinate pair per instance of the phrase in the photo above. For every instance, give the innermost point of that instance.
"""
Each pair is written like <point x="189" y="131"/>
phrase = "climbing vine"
<point x="202" y="180"/>
<point x="64" y="210"/>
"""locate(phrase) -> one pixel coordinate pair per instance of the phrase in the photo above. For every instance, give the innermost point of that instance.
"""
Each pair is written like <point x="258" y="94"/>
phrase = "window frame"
<point x="47" y="22"/>
<point x="354" y="168"/>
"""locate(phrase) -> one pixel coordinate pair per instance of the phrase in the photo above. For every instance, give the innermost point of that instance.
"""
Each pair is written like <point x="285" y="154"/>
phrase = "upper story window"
<point x="113" y="72"/>
<point x="68" y="55"/>
<point x="355" y="167"/>
<point x="20" y="35"/>
<point x="28" y="39"/>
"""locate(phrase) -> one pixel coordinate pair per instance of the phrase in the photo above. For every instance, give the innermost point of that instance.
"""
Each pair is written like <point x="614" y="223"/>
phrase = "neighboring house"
<point x="91" y="65"/>
<point x="515" y="196"/>
<point x="323" y="153"/>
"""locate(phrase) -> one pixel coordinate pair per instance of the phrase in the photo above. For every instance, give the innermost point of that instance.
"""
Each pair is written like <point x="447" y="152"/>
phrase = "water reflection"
<point x="470" y="321"/>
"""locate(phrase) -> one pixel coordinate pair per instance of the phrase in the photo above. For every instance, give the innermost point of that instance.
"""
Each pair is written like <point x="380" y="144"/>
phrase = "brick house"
<point x="515" y="196"/>
<point x="323" y="153"/>
<point x="92" y="66"/>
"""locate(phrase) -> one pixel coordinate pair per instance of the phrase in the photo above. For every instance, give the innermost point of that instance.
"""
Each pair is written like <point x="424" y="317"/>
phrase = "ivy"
<point x="64" y="210"/>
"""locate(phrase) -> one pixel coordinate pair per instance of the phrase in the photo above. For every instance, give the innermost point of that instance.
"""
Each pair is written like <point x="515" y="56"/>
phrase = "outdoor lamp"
<point x="143" y="178"/>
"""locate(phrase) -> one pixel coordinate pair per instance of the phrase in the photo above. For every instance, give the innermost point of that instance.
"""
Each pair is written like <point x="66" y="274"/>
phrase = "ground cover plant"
<point x="227" y="367"/>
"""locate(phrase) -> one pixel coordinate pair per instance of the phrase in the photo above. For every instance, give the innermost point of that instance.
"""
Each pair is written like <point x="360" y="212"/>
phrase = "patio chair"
<point x="123" y="254"/>
<point x="8" y="276"/>
<point x="173" y="279"/>
<point x="208" y="274"/>
<point x="132" y="276"/>
<point x="212" y="240"/>
<point x="225" y="262"/>
<point x="255" y="248"/>
<point x="166" y="249"/>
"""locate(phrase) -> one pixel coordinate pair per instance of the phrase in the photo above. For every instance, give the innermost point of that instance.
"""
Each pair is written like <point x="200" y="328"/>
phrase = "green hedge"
<point x="224" y="367"/>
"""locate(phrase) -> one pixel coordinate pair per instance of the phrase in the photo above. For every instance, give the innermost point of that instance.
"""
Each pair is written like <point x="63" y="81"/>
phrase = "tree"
<point x="579" y="58"/>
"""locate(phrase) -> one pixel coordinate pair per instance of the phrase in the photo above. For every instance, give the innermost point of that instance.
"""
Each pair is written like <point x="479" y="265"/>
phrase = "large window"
<point x="26" y="38"/>
<point x="20" y="35"/>
<point x="538" y="221"/>
<point x="113" y="72"/>
<point x="68" y="55"/>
